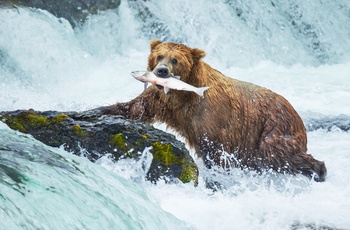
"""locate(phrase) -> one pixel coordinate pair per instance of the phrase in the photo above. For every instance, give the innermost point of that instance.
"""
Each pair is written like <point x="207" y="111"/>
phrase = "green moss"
<point x="118" y="140"/>
<point x="15" y="124"/>
<point x="78" y="130"/>
<point x="35" y="120"/>
<point x="29" y="119"/>
<point x="190" y="173"/>
<point x="59" y="118"/>
<point x="164" y="153"/>
<point x="26" y="120"/>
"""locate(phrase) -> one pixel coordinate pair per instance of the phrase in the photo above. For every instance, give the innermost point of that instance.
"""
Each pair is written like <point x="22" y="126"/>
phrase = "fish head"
<point x="140" y="75"/>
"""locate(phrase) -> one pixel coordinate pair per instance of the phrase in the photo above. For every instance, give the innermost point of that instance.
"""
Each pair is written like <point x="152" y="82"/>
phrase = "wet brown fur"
<point x="256" y="126"/>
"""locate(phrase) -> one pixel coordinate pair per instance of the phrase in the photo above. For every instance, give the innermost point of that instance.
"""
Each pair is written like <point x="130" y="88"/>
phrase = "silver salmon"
<point x="167" y="83"/>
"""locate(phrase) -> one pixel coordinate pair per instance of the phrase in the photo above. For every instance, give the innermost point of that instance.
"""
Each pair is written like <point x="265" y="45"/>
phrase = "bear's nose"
<point x="162" y="71"/>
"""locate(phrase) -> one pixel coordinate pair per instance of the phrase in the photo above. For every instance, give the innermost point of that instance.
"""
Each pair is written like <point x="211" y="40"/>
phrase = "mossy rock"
<point x="94" y="135"/>
<point x="189" y="173"/>
<point x="171" y="161"/>
<point x="59" y="118"/>
<point x="78" y="130"/>
<point x="26" y="120"/>
<point x="118" y="141"/>
<point x="164" y="154"/>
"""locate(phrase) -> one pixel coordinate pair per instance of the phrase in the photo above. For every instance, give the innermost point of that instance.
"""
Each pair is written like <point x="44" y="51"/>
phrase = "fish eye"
<point x="174" y="61"/>
<point x="160" y="57"/>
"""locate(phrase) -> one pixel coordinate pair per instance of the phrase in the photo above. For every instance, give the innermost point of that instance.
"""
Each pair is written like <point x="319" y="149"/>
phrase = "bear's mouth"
<point x="159" y="87"/>
<point x="161" y="74"/>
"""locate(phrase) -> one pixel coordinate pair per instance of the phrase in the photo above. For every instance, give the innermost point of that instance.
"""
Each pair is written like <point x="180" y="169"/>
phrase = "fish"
<point x="173" y="82"/>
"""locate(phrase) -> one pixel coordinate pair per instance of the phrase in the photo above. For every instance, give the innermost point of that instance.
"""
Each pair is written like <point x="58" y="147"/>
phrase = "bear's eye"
<point x="174" y="61"/>
<point x="160" y="57"/>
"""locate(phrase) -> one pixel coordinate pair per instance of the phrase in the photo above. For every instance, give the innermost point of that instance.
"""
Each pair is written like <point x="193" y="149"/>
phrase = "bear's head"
<point x="172" y="59"/>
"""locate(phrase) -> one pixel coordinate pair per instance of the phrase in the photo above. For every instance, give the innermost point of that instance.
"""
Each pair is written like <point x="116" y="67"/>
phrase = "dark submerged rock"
<point x="328" y="123"/>
<point x="75" y="11"/>
<point x="95" y="135"/>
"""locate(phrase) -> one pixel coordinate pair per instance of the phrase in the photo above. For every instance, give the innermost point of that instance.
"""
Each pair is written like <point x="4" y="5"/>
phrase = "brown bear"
<point x="235" y="124"/>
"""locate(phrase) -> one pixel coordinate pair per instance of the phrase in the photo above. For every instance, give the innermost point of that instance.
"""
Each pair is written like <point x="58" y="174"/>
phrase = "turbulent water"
<point x="299" y="49"/>
<point x="47" y="188"/>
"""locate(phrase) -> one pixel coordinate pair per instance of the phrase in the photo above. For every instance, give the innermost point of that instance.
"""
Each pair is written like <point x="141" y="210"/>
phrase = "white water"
<point x="47" y="188"/>
<point x="46" y="65"/>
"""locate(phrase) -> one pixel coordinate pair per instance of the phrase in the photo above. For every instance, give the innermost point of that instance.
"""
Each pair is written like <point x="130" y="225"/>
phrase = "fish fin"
<point x="145" y="86"/>
<point x="200" y="91"/>
<point x="176" y="77"/>
<point x="166" y="89"/>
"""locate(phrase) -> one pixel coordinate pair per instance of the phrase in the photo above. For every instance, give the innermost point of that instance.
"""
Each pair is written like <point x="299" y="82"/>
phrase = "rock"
<point x="74" y="11"/>
<point x="327" y="123"/>
<point x="97" y="135"/>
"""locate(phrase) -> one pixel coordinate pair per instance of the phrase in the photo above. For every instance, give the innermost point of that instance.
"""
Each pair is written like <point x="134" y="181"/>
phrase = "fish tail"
<point x="200" y="91"/>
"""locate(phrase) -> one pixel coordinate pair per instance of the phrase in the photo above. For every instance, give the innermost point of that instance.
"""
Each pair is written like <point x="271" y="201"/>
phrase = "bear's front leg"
<point x="133" y="110"/>
<point x="143" y="107"/>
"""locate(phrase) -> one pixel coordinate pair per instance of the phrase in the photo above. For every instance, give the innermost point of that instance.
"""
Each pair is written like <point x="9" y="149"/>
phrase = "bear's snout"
<point x="162" y="71"/>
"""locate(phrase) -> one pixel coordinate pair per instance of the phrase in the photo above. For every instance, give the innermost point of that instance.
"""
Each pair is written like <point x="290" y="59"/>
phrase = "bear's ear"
<point x="154" y="43"/>
<point x="197" y="53"/>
